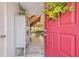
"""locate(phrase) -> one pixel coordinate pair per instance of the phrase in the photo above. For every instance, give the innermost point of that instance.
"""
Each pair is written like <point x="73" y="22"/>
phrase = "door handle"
<point x="2" y="36"/>
<point x="45" y="33"/>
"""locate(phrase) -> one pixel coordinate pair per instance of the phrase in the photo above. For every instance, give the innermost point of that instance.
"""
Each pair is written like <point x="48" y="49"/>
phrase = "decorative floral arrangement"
<point x="22" y="11"/>
<point x="54" y="9"/>
<point x="38" y="28"/>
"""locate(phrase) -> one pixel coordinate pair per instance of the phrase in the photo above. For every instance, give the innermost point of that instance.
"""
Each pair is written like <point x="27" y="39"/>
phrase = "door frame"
<point x="5" y="29"/>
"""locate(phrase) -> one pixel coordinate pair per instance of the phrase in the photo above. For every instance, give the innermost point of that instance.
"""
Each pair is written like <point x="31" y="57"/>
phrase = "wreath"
<point x="54" y="9"/>
<point x="22" y="11"/>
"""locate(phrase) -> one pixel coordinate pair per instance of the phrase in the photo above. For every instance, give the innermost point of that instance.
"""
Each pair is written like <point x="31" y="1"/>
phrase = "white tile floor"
<point x="35" y="51"/>
<point x="36" y="47"/>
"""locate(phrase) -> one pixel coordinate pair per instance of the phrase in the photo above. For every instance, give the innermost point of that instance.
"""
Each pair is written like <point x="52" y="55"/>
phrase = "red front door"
<point x="62" y="36"/>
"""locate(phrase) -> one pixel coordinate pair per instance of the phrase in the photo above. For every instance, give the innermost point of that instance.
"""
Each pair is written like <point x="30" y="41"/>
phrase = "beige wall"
<point x="33" y="7"/>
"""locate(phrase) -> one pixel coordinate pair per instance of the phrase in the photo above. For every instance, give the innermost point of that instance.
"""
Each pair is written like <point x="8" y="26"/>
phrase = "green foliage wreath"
<point x="53" y="9"/>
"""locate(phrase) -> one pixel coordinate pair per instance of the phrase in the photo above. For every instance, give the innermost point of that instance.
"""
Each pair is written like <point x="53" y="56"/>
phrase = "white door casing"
<point x="3" y="29"/>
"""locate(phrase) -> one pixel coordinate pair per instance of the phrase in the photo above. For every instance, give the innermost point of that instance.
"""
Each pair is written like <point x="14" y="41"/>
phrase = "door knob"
<point x="45" y="33"/>
<point x="2" y="36"/>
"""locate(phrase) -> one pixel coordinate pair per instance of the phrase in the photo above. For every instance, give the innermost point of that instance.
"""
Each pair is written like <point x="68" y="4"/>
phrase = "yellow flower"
<point x="50" y="13"/>
<point x="46" y="11"/>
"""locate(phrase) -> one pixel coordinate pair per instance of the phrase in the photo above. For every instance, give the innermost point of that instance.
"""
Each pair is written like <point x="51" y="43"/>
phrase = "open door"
<point x="62" y="36"/>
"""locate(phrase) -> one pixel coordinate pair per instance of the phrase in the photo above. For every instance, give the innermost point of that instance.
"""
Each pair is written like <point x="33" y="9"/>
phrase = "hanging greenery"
<point x="53" y="9"/>
<point x="22" y="11"/>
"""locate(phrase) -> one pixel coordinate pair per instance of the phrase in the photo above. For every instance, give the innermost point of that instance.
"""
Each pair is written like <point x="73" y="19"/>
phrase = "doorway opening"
<point x="29" y="36"/>
<point x="36" y="46"/>
<point x="29" y="31"/>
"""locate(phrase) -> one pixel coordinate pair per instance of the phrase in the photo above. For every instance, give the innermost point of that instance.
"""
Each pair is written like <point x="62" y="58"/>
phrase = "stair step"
<point x="33" y="20"/>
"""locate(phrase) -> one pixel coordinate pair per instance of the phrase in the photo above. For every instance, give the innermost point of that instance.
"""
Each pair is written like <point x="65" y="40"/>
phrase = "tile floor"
<point x="35" y="49"/>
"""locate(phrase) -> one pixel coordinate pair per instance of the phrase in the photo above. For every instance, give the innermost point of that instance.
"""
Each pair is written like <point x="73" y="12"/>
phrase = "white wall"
<point x="11" y="11"/>
<point x="33" y="7"/>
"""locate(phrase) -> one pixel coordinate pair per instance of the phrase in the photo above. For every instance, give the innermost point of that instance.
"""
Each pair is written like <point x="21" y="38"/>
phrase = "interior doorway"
<point x="29" y="32"/>
<point x="36" y="46"/>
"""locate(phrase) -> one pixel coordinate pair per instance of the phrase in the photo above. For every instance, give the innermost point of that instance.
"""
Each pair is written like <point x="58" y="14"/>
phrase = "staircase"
<point x="33" y="20"/>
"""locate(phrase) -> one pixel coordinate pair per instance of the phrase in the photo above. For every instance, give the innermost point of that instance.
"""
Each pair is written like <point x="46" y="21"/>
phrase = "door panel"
<point x="62" y="37"/>
<point x="67" y="44"/>
<point x="1" y="29"/>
